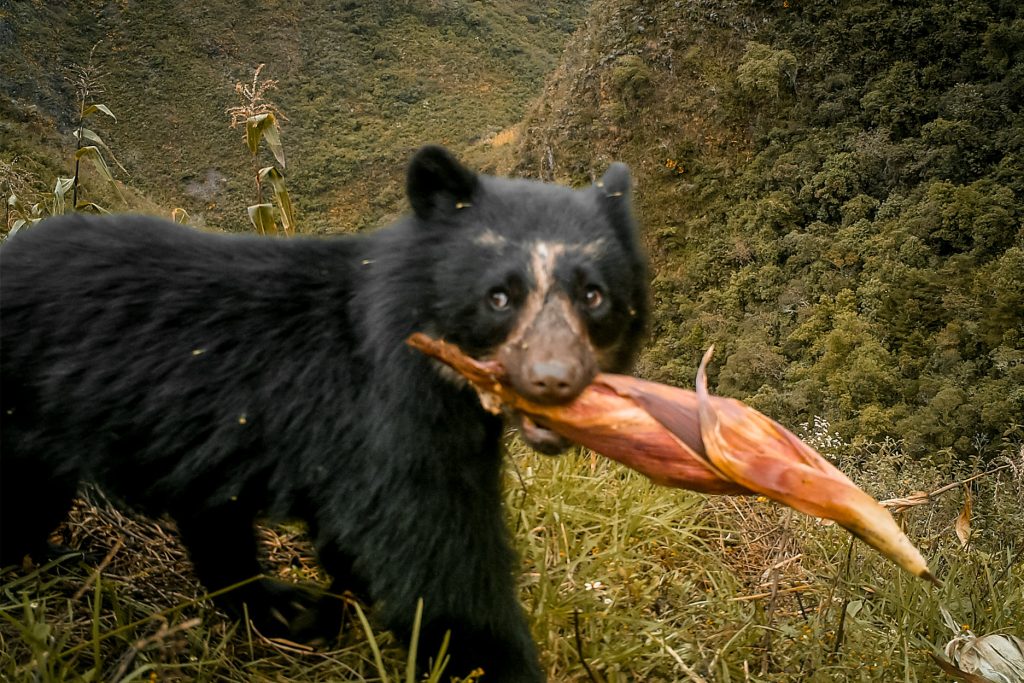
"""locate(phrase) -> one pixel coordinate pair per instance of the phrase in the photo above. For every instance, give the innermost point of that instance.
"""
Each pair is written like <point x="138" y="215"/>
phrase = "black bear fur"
<point x="219" y="378"/>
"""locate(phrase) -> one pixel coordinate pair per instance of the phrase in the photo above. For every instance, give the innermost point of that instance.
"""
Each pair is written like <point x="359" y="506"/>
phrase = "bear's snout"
<point x="555" y="380"/>
<point x="551" y="359"/>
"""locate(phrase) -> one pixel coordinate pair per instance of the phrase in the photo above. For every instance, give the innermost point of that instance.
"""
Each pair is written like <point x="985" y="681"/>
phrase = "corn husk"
<point x="696" y="441"/>
<point x="604" y="420"/>
<point x="759" y="453"/>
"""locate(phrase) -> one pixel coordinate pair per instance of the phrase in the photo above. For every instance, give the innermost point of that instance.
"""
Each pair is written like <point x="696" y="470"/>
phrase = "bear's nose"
<point x="554" y="381"/>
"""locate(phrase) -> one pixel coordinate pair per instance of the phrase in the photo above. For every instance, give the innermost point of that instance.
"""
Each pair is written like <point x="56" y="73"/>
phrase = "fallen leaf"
<point x="962" y="527"/>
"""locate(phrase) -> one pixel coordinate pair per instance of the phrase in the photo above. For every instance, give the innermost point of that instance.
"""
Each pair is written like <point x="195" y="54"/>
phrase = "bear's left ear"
<point x="436" y="181"/>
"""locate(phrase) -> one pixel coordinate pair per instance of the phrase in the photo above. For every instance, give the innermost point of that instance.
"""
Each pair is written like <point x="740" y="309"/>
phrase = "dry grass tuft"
<point x="505" y="137"/>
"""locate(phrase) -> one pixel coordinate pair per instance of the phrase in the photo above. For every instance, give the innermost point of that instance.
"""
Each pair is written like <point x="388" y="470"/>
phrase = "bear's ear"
<point x="614" y="193"/>
<point x="436" y="181"/>
<point x="616" y="181"/>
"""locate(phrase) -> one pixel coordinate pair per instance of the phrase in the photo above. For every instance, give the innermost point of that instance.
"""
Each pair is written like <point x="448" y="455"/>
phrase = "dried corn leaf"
<point x="962" y="527"/>
<point x="993" y="658"/>
<point x="997" y="657"/>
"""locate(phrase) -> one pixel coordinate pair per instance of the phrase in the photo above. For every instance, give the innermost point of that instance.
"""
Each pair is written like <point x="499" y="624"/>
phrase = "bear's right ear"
<point x="437" y="182"/>
<point x="614" y="191"/>
<point x="617" y="181"/>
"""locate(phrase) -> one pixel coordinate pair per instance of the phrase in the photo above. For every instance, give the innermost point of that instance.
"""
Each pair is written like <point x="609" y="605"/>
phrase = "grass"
<point x="621" y="578"/>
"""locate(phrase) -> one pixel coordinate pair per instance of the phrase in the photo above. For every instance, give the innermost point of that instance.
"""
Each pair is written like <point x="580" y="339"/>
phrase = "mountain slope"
<point x="833" y="197"/>
<point x="362" y="84"/>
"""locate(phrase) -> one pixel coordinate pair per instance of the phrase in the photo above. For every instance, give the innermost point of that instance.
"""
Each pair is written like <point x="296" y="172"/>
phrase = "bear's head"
<point x="548" y="280"/>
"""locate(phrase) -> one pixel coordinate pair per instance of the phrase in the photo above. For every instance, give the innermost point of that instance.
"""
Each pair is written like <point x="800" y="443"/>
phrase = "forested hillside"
<point x="833" y="194"/>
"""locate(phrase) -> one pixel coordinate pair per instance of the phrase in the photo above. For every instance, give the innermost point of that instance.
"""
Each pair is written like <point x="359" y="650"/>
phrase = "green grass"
<point x="637" y="581"/>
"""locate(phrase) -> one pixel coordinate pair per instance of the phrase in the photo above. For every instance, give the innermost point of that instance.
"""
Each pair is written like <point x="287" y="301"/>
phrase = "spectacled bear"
<point x="219" y="378"/>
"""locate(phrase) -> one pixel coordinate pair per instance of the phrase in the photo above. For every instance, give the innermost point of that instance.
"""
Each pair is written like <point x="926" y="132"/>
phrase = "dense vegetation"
<point x="834" y="198"/>
<point x="833" y="194"/>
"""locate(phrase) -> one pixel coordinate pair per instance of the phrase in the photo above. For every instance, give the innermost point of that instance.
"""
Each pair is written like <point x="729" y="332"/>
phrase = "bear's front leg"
<point x="458" y="561"/>
<point x="487" y="630"/>
<point x="222" y="546"/>
<point x="501" y="648"/>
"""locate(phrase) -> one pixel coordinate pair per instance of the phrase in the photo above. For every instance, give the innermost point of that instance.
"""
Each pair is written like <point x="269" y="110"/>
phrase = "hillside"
<point x="361" y="83"/>
<point x="833" y="197"/>
<point x="831" y="193"/>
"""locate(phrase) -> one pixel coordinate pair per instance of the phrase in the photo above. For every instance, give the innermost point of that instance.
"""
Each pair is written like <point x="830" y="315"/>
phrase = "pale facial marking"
<point x="543" y="259"/>
<point x="543" y="256"/>
<point x="489" y="238"/>
<point x="593" y="249"/>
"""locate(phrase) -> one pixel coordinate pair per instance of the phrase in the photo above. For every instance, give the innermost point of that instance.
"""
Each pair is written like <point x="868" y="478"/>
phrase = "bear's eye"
<point x="593" y="297"/>
<point x="499" y="299"/>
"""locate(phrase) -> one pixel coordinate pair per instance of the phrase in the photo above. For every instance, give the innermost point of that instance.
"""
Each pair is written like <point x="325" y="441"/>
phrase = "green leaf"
<point x="92" y="206"/>
<point x="92" y="153"/>
<point x="284" y="202"/>
<point x="262" y="217"/>
<point x="410" y="665"/>
<point x="441" y="660"/>
<point x="91" y="135"/>
<point x="60" y="189"/>
<point x="372" y="640"/>
<point x="264" y="126"/>
<point x="93" y="108"/>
